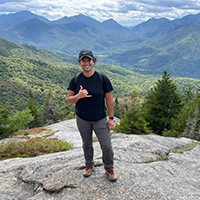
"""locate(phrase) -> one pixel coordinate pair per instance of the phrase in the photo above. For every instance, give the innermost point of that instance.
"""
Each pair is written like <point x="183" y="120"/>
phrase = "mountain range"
<point x="148" y="48"/>
<point x="24" y="66"/>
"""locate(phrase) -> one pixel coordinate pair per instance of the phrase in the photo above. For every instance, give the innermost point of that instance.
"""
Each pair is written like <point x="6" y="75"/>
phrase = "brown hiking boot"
<point x="111" y="175"/>
<point x="88" y="171"/>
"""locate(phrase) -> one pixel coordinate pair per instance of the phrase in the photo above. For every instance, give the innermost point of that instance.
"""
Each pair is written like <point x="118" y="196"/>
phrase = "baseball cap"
<point x="85" y="53"/>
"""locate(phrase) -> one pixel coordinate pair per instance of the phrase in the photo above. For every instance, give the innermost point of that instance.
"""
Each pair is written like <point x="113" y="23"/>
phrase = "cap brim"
<point x="85" y="56"/>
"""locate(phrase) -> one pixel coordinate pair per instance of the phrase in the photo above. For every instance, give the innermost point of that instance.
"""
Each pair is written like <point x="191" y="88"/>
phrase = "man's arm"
<point x="72" y="98"/>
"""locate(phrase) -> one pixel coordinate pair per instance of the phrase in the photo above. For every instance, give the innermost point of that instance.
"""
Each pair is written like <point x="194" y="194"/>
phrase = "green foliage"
<point x="120" y="105"/>
<point x="33" y="107"/>
<point x="22" y="118"/>
<point x="162" y="104"/>
<point x="53" y="110"/>
<point x="116" y="108"/>
<point x="9" y="49"/>
<point x="187" y="147"/>
<point x="179" y="123"/>
<point x="18" y="76"/>
<point x="132" y="121"/>
<point x="177" y="53"/>
<point x="192" y="129"/>
<point x="64" y="110"/>
<point x="12" y="121"/>
<point x="187" y="122"/>
<point x="7" y="125"/>
<point x="32" y="147"/>
<point x="160" y="158"/>
<point x="25" y="67"/>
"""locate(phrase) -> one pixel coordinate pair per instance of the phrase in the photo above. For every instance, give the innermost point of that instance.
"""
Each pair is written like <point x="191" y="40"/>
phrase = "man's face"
<point x="86" y="64"/>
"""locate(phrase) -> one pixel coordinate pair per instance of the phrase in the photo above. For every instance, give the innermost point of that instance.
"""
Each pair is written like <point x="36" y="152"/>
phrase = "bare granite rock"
<point x="141" y="176"/>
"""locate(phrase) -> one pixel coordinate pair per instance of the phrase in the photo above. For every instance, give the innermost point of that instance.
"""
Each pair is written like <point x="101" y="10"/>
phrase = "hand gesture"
<point x="83" y="93"/>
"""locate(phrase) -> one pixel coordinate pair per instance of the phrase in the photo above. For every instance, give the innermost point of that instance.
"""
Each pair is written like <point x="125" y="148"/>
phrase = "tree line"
<point x="34" y="115"/>
<point x="162" y="111"/>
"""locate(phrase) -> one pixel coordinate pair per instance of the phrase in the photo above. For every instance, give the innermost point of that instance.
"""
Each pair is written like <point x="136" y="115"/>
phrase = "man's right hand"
<point x="83" y="93"/>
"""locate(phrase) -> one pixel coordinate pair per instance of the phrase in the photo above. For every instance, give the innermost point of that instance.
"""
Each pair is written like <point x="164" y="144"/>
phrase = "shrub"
<point x="186" y="148"/>
<point x="32" y="147"/>
<point x="132" y="121"/>
<point x="187" y="122"/>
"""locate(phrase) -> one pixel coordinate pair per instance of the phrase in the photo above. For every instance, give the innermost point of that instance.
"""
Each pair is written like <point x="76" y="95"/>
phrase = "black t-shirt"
<point x="91" y="108"/>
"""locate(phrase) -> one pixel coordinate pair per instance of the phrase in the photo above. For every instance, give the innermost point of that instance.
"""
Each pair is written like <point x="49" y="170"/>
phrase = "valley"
<point x="42" y="55"/>
<point x="148" y="48"/>
<point x="24" y="66"/>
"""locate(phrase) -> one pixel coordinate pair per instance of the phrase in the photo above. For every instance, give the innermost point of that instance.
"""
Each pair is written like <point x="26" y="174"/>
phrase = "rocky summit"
<point x="146" y="165"/>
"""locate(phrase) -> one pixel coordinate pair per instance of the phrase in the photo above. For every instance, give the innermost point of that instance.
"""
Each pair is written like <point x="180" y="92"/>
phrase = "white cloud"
<point x="127" y="12"/>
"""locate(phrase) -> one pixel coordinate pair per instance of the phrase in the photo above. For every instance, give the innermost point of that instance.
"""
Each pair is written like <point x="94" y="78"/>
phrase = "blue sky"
<point x="125" y="12"/>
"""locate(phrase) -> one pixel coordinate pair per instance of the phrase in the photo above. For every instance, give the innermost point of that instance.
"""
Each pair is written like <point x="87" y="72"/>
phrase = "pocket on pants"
<point x="101" y="124"/>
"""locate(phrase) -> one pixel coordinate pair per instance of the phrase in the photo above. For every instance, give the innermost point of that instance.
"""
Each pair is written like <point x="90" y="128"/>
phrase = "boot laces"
<point x="111" y="172"/>
<point x="88" y="168"/>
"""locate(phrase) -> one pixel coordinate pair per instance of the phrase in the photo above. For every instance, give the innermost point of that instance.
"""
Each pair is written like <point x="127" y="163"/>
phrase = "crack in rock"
<point x="54" y="185"/>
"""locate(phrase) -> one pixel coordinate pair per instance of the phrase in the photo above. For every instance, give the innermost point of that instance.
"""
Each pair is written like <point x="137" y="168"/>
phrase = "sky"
<point x="125" y="12"/>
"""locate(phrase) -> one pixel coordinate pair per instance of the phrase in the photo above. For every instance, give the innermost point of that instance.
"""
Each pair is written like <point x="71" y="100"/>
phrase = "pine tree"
<point x="179" y="123"/>
<point x="32" y="105"/>
<point x="5" y="123"/>
<point x="189" y="96"/>
<point x="12" y="121"/>
<point x="64" y="110"/>
<point x="132" y="121"/>
<point x="22" y="118"/>
<point x="51" y="109"/>
<point x="162" y="104"/>
<point x="192" y="129"/>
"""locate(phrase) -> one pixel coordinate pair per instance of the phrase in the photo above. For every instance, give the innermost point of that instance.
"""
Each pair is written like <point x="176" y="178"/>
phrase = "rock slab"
<point x="141" y="174"/>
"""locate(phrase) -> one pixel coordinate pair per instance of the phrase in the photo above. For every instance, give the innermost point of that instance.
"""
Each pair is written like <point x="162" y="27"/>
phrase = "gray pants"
<point x="103" y="134"/>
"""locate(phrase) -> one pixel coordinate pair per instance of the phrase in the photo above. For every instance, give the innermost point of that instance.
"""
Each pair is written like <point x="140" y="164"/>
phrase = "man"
<point x="89" y="91"/>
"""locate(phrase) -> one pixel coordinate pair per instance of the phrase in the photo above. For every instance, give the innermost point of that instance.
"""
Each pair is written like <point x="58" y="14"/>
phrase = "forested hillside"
<point x="71" y="32"/>
<point x="24" y="66"/>
<point x="149" y="48"/>
<point x="9" y="49"/>
<point x="177" y="52"/>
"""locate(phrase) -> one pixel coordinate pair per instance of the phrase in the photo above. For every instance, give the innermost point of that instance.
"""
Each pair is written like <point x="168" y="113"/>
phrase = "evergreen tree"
<point x="51" y="109"/>
<point x="162" y="104"/>
<point x="32" y="105"/>
<point x="179" y="123"/>
<point x="189" y="96"/>
<point x="133" y="121"/>
<point x="116" y="108"/>
<point x="5" y="123"/>
<point x="192" y="129"/>
<point x="12" y="121"/>
<point x="64" y="110"/>
<point x="22" y="118"/>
